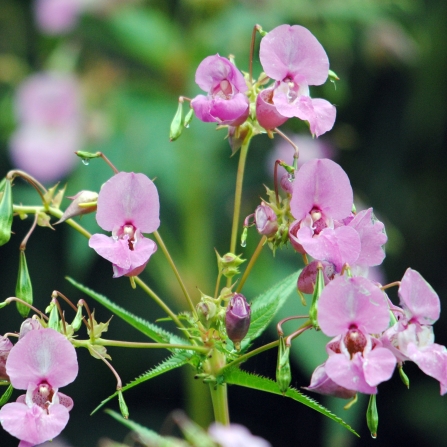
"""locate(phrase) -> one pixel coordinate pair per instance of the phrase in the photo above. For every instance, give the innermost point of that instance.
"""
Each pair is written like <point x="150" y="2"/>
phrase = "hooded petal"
<point x="232" y="111"/>
<point x="128" y="198"/>
<point x="287" y="51"/>
<point x="352" y="301"/>
<point x="214" y="69"/>
<point x="321" y="184"/>
<point x="43" y="355"/>
<point x="372" y="236"/>
<point x="417" y="296"/>
<point x="33" y="424"/>
<point x="266" y="112"/>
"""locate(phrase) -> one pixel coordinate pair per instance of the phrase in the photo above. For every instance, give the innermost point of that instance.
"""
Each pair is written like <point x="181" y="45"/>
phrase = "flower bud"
<point x="266" y="220"/>
<point x="84" y="202"/>
<point x="237" y="319"/>
<point x="206" y="310"/>
<point x="229" y="264"/>
<point x="308" y="276"/>
<point x="24" y="288"/>
<point x="6" y="212"/>
<point x="5" y="347"/>
<point x="30" y="324"/>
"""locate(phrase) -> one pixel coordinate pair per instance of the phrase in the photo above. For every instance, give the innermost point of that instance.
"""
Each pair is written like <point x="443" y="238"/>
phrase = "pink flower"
<point x="49" y="114"/>
<point x="128" y="206"/>
<point x="294" y="58"/>
<point x="58" y="16"/>
<point x="351" y="309"/>
<point x="41" y="362"/>
<point x="321" y="198"/>
<point x="412" y="338"/>
<point x="226" y="102"/>
<point x="235" y="435"/>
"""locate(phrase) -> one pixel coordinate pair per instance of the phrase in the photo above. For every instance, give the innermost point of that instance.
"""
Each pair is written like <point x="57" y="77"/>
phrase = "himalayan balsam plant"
<point x="311" y="210"/>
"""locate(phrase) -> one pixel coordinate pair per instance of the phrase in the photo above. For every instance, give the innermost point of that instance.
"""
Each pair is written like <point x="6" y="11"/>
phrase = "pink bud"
<point x="266" y="220"/>
<point x="237" y="318"/>
<point x="5" y="347"/>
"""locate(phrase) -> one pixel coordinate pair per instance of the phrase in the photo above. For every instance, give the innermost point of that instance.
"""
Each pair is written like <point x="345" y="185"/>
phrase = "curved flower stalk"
<point x="41" y="362"/>
<point x="293" y="57"/>
<point x="128" y="205"/>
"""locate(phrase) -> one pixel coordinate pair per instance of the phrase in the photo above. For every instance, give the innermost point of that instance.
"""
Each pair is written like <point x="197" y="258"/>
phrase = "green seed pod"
<point x="6" y="212"/>
<point x="177" y="123"/>
<point x="24" y="288"/>
<point x="319" y="286"/>
<point x="283" y="372"/>
<point x="372" y="417"/>
<point x="53" y="319"/>
<point x="123" y="406"/>
<point x="403" y="376"/>
<point x="77" y="322"/>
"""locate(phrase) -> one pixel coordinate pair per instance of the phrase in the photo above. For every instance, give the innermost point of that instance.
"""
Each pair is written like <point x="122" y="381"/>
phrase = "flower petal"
<point x="290" y="50"/>
<point x="128" y="198"/>
<point x="42" y="355"/>
<point x="321" y="184"/>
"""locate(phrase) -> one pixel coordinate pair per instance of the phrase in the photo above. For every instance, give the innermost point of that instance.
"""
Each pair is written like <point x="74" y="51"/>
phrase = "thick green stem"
<point x="219" y="397"/>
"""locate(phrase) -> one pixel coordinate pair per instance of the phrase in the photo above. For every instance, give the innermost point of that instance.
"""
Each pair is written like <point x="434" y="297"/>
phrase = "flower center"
<point x="43" y="395"/>
<point x="223" y="90"/>
<point x="355" y="341"/>
<point x="319" y="223"/>
<point x="128" y="232"/>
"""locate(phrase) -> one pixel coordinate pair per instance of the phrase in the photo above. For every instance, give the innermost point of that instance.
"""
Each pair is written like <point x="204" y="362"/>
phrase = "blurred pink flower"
<point x="41" y="362"/>
<point x="128" y="205"/>
<point x="49" y="114"/>
<point x="235" y="435"/>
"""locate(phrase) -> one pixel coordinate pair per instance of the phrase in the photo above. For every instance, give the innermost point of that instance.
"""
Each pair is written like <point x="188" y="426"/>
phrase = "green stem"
<point x="251" y="263"/>
<point x="238" y="195"/>
<point x="176" y="272"/>
<point x="159" y="301"/>
<point x="219" y="397"/>
<point x="131" y="344"/>
<point x="244" y="357"/>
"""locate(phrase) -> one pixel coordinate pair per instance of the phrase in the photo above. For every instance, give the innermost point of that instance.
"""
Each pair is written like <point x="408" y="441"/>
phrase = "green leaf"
<point x="180" y="358"/>
<point x="235" y="376"/>
<point x="6" y="395"/>
<point x="151" y="330"/>
<point x="265" y="307"/>
<point x="146" y="435"/>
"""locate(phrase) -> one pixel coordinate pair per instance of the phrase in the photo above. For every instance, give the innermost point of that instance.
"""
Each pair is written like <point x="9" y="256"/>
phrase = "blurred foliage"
<point x="134" y="59"/>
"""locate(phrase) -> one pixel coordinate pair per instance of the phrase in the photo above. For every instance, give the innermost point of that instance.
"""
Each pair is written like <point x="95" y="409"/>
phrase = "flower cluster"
<point x="49" y="113"/>
<point x="293" y="59"/>
<point x="41" y="362"/>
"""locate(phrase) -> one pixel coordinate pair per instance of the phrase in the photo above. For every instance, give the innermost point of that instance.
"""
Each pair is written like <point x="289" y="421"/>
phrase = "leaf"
<point x="180" y="358"/>
<point x="265" y="307"/>
<point x="6" y="395"/>
<point x="235" y="376"/>
<point x="147" y="436"/>
<point x="151" y="330"/>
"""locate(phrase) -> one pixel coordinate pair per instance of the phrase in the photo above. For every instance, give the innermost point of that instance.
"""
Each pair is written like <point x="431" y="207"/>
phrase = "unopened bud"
<point x="84" y="202"/>
<point x="236" y="136"/>
<point x="308" y="276"/>
<point x="283" y="372"/>
<point x="237" y="319"/>
<point x="24" y="288"/>
<point x="266" y="220"/>
<point x="206" y="311"/>
<point x="229" y="264"/>
<point x="30" y="324"/>
<point x="5" y="347"/>
<point x="6" y="211"/>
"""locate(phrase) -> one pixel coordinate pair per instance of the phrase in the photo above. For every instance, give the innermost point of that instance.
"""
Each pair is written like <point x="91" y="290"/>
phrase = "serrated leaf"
<point x="235" y="376"/>
<point x="147" y="436"/>
<point x="180" y="358"/>
<point x="151" y="330"/>
<point x="6" y="395"/>
<point x="266" y="305"/>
